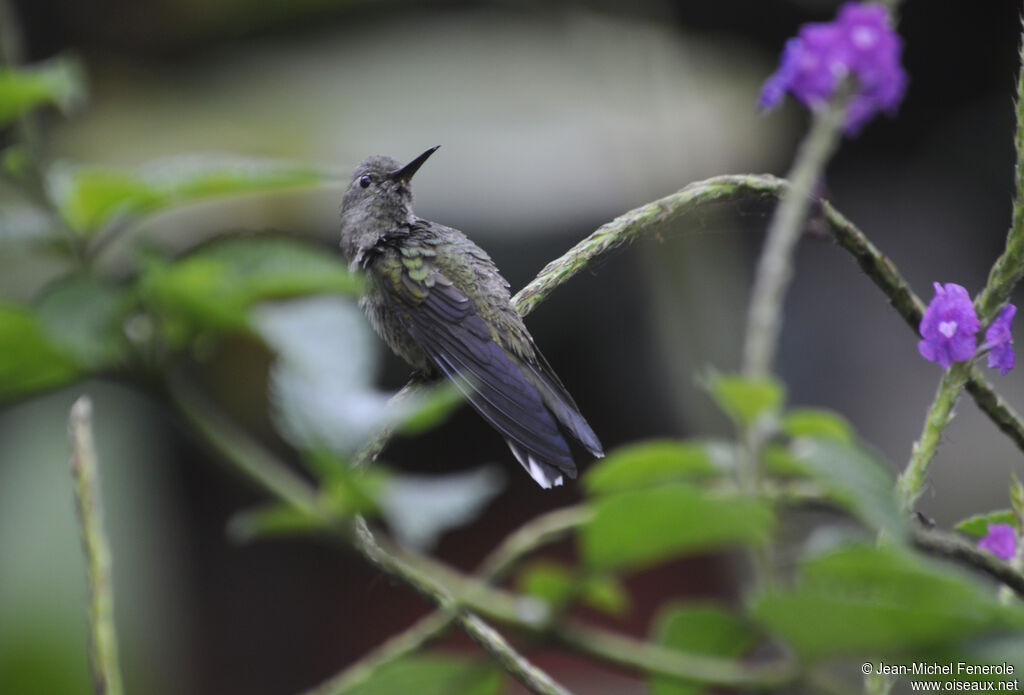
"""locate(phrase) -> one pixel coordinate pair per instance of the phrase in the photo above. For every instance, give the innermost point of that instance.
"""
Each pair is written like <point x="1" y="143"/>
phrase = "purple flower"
<point x="859" y="41"/>
<point x="1001" y="541"/>
<point x="999" y="341"/>
<point x="948" y="326"/>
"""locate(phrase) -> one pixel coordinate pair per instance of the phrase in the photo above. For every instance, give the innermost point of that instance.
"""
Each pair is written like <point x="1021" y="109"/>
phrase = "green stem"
<point x="236" y="446"/>
<point x="438" y="590"/>
<point x="775" y="266"/>
<point x="422" y="574"/>
<point x="414" y="638"/>
<point x="1008" y="269"/>
<point x="540" y="531"/>
<point x="106" y="672"/>
<point x="939" y="415"/>
<point x="953" y="547"/>
<point x="652" y="658"/>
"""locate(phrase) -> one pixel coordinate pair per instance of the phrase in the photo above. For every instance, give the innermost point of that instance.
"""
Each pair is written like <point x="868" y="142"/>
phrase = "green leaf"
<point x="701" y="628"/>
<point x="84" y="317"/>
<point x="559" y="586"/>
<point x="432" y="675"/>
<point x="29" y="358"/>
<point x="271" y="521"/>
<point x="744" y="399"/>
<point x="214" y="287"/>
<point x="818" y="424"/>
<point x="57" y="82"/>
<point x="780" y="460"/>
<point x="648" y="463"/>
<point x="977" y="525"/>
<point x="641" y="527"/>
<point x="856" y="480"/>
<point x="605" y="593"/>
<point x="90" y="197"/>
<point x="554" y="584"/>
<point x="861" y="599"/>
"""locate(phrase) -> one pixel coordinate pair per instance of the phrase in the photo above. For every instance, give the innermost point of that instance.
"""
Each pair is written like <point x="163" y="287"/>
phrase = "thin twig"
<point x="647" y="657"/>
<point x="1009" y="267"/>
<point x="414" y="638"/>
<point x="952" y="547"/>
<point x="535" y="533"/>
<point x="940" y="413"/>
<point x="775" y="266"/>
<point x="438" y="591"/>
<point x="422" y="574"/>
<point x="237" y="447"/>
<point x="106" y="672"/>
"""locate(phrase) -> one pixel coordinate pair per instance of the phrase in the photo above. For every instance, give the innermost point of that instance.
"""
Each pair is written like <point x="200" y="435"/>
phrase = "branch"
<point x="414" y="638"/>
<point x="438" y="592"/>
<point x="452" y="591"/>
<point x="235" y="446"/>
<point x="542" y="530"/>
<point x="655" y="219"/>
<point x="647" y="657"/>
<point x="953" y="547"/>
<point x="775" y="266"/>
<point x="265" y="469"/>
<point x="106" y="672"/>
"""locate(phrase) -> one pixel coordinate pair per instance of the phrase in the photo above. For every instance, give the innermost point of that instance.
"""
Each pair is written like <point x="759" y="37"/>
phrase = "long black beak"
<point x="405" y="173"/>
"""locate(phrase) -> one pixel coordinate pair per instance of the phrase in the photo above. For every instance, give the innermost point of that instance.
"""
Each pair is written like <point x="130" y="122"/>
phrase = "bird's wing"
<point x="557" y="398"/>
<point x="445" y="323"/>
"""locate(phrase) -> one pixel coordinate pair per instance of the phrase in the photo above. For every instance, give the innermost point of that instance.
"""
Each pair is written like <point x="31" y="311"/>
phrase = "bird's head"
<point x="377" y="200"/>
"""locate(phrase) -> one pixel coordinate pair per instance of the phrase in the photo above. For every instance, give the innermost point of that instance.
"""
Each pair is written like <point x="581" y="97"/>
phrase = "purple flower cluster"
<point x="860" y="42"/>
<point x="949" y="330"/>
<point x="1001" y="541"/>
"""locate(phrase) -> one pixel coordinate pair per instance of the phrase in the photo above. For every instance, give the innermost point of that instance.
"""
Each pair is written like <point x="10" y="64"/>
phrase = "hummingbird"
<point x="440" y="303"/>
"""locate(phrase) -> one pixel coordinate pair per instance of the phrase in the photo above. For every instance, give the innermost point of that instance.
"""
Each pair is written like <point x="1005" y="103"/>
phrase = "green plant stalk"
<point x="911" y="481"/>
<point x="106" y="671"/>
<point x="775" y="266"/>
<point x="438" y="590"/>
<point x="1009" y="267"/>
<point x="263" y="468"/>
<point x="540" y="531"/>
<point x="771" y="281"/>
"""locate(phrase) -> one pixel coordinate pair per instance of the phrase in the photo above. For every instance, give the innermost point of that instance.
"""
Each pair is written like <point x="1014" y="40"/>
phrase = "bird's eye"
<point x="364" y="181"/>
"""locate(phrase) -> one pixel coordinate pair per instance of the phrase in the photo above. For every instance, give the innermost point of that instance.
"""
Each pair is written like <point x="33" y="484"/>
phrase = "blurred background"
<point x="554" y="117"/>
